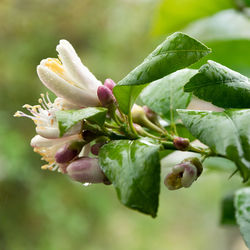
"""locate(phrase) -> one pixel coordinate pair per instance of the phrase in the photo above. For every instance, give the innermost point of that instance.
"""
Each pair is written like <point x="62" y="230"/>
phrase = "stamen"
<point x="43" y="103"/>
<point x="47" y="95"/>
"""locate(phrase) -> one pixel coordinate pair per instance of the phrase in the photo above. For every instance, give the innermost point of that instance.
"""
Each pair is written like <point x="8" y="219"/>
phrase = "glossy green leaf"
<point x="126" y="96"/>
<point x="242" y="205"/>
<point x="176" y="52"/>
<point x="228" y="210"/>
<point x="221" y="86"/>
<point x="166" y="95"/>
<point x="68" y="118"/>
<point x="227" y="133"/>
<point x="133" y="167"/>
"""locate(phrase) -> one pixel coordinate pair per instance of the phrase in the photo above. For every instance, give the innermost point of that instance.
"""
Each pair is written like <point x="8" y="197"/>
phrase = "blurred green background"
<point x="45" y="210"/>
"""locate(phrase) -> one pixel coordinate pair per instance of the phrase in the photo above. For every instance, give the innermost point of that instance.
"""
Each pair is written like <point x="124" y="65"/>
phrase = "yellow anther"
<point x="17" y="114"/>
<point x="27" y="106"/>
<point x="44" y="167"/>
<point x="55" y="65"/>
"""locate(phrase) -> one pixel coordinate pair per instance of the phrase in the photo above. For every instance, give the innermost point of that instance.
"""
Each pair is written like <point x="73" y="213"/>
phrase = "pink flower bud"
<point x="183" y="174"/>
<point x="86" y="169"/>
<point x="151" y="115"/>
<point x="181" y="143"/>
<point x="68" y="152"/>
<point x="96" y="148"/>
<point x="109" y="83"/>
<point x="105" y="96"/>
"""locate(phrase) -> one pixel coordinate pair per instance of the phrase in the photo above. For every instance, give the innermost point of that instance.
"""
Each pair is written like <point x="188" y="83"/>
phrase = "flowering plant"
<point x="117" y="133"/>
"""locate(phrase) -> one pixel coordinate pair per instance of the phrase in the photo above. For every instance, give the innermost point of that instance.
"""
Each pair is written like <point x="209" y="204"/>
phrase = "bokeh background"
<point x="45" y="210"/>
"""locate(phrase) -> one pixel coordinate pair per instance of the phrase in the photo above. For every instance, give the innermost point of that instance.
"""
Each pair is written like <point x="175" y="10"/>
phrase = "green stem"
<point x="147" y="123"/>
<point x="145" y="133"/>
<point x="111" y="126"/>
<point x="130" y="122"/>
<point x="112" y="112"/>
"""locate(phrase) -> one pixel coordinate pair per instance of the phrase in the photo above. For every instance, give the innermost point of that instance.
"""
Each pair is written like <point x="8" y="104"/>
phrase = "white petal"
<point x="39" y="141"/>
<point x="65" y="105"/>
<point x="74" y="67"/>
<point x="53" y="132"/>
<point x="62" y="88"/>
<point x="48" y="132"/>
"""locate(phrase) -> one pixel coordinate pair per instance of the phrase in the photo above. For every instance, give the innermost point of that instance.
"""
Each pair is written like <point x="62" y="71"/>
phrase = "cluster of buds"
<point x="183" y="174"/>
<point x="76" y="88"/>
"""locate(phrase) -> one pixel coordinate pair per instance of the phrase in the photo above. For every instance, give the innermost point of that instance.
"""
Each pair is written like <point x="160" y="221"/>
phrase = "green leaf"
<point x="242" y="205"/>
<point x="228" y="210"/>
<point x="133" y="167"/>
<point x="226" y="133"/>
<point x="166" y="95"/>
<point x="68" y="118"/>
<point x="221" y="86"/>
<point x="176" y="52"/>
<point x="126" y="96"/>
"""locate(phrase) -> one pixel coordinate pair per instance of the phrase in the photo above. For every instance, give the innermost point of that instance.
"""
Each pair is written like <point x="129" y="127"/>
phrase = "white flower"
<point x="44" y="116"/>
<point x="68" y="78"/>
<point x="47" y="148"/>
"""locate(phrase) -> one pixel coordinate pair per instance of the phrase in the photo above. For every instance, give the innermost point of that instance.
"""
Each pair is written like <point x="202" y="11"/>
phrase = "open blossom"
<point x="44" y="116"/>
<point x="68" y="78"/>
<point x="48" y="148"/>
<point x="76" y="88"/>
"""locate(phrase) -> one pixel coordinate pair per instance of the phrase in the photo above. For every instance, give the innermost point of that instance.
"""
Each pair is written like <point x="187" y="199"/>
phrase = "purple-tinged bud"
<point x="183" y="174"/>
<point x="96" y="148"/>
<point x="105" y="96"/>
<point x="151" y="115"/>
<point x="173" y="181"/>
<point x="196" y="162"/>
<point x="68" y="152"/>
<point x="109" y="83"/>
<point x="86" y="170"/>
<point x="181" y="143"/>
<point x="138" y="128"/>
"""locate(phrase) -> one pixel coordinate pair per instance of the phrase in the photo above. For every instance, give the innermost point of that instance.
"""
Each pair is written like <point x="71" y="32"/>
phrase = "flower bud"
<point x="183" y="174"/>
<point x="151" y="115"/>
<point x="86" y="169"/>
<point x="196" y="162"/>
<point x="181" y="143"/>
<point x="96" y="148"/>
<point x="138" y="114"/>
<point x="109" y="83"/>
<point x="68" y="152"/>
<point x="105" y="96"/>
<point x="138" y="128"/>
